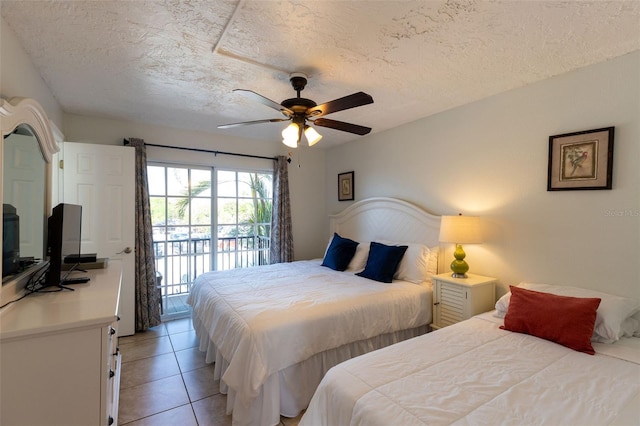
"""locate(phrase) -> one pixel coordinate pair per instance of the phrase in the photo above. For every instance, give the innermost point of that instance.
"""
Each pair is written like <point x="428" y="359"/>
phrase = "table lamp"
<point x="460" y="230"/>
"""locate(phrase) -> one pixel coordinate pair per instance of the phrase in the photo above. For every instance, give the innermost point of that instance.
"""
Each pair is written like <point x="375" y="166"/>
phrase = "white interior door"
<point x="101" y="178"/>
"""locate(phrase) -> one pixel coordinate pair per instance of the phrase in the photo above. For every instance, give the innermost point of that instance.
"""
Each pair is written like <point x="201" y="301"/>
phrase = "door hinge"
<point x="62" y="164"/>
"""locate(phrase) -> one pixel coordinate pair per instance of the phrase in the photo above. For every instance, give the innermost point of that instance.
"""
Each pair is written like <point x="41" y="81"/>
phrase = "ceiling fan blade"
<point x="246" y="123"/>
<point x="351" y="101"/>
<point x="250" y="94"/>
<point x="341" y="125"/>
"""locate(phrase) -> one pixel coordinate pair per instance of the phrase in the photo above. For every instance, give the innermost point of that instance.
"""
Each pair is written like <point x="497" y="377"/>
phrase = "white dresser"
<point x="59" y="361"/>
<point x="457" y="299"/>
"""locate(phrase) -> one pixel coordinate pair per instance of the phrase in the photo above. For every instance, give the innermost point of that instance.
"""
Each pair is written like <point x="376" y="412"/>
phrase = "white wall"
<point x="306" y="182"/>
<point x="490" y="158"/>
<point x="19" y="78"/>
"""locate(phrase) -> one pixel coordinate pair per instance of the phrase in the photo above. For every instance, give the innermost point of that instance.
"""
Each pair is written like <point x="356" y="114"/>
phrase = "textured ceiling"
<point x="175" y="63"/>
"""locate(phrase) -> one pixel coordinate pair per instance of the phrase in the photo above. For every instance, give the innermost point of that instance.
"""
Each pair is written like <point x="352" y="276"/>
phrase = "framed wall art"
<point x="345" y="186"/>
<point x="581" y="160"/>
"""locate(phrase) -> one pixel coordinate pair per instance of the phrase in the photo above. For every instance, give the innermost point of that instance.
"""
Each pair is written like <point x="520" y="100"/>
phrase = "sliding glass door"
<point x="203" y="220"/>
<point x="181" y="206"/>
<point x="244" y="201"/>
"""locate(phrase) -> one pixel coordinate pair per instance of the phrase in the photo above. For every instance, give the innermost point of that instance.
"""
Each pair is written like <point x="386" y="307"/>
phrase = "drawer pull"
<point x="111" y="373"/>
<point x="112" y="331"/>
<point x="110" y="420"/>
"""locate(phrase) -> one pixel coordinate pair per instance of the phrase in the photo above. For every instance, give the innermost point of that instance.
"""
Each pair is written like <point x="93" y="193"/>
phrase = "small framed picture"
<point x="345" y="186"/>
<point x="581" y="160"/>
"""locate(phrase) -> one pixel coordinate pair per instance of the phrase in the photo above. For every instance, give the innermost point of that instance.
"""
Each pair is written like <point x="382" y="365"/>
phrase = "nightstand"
<point x="457" y="299"/>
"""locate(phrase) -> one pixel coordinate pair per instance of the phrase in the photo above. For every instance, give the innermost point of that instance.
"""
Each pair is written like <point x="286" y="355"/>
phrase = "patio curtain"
<point x="147" y="295"/>
<point x="281" y="234"/>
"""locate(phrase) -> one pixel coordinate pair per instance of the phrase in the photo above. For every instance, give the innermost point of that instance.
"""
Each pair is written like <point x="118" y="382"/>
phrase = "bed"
<point x="273" y="331"/>
<point x="475" y="372"/>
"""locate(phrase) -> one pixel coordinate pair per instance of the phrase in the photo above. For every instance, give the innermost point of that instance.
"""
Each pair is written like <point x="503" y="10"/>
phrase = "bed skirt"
<point x="289" y="391"/>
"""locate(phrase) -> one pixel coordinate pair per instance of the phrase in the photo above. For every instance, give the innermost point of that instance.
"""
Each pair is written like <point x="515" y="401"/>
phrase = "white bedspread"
<point x="267" y="318"/>
<point x="474" y="373"/>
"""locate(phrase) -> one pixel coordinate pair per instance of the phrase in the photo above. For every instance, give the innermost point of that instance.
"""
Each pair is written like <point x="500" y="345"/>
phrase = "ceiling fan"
<point x="302" y="111"/>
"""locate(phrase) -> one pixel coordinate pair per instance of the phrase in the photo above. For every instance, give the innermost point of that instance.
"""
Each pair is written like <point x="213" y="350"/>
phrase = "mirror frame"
<point x="15" y="112"/>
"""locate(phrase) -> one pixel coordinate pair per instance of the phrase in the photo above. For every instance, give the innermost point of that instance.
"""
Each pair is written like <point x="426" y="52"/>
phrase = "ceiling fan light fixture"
<point x="313" y="137"/>
<point x="290" y="135"/>
<point x="299" y="110"/>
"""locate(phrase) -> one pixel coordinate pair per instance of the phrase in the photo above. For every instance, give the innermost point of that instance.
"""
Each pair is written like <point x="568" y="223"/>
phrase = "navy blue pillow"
<point x="339" y="253"/>
<point x="383" y="262"/>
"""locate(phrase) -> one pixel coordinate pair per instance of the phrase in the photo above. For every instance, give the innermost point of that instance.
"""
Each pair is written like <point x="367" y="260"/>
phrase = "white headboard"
<point x="380" y="218"/>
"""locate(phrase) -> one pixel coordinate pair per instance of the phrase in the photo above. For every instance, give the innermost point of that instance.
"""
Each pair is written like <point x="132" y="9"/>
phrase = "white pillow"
<point x="636" y="317"/>
<point x="414" y="266"/>
<point x="432" y="263"/>
<point x="359" y="259"/>
<point x="612" y="312"/>
<point x="630" y="327"/>
<point x="502" y="305"/>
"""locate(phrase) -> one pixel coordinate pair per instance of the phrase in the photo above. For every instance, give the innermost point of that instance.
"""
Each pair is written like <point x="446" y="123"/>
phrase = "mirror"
<point x="28" y="144"/>
<point x="23" y="201"/>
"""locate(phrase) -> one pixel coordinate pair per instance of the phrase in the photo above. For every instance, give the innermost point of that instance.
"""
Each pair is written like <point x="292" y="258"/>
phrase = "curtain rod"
<point x="126" y="142"/>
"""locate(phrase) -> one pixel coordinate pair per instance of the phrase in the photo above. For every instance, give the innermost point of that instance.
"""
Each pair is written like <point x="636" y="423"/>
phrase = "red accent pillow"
<point x="566" y="320"/>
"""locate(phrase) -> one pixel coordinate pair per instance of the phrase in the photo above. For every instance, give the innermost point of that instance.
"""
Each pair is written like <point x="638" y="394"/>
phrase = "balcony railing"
<point x="181" y="261"/>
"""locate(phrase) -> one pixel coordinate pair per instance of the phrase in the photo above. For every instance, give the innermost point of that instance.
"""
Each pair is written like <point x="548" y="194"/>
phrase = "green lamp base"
<point x="459" y="266"/>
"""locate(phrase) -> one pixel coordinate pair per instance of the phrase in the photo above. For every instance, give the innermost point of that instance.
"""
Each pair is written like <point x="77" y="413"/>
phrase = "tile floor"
<point x="165" y="381"/>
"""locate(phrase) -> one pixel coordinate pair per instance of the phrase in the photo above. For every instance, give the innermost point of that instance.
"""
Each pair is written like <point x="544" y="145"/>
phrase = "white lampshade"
<point x="313" y="137"/>
<point x="460" y="230"/>
<point x="290" y="135"/>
